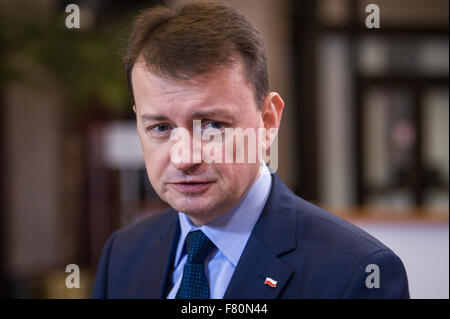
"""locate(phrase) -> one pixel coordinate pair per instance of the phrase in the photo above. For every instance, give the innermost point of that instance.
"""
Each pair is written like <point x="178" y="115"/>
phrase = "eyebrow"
<point x="156" y="117"/>
<point x="195" y="115"/>
<point x="212" y="113"/>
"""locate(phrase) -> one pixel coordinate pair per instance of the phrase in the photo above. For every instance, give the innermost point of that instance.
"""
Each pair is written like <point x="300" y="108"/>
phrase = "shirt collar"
<point x="230" y="232"/>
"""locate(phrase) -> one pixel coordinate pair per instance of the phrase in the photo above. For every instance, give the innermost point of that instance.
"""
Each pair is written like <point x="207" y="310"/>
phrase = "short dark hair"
<point x="197" y="38"/>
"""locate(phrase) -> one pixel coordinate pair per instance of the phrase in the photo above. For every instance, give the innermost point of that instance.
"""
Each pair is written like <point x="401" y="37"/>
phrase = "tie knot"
<point x="198" y="246"/>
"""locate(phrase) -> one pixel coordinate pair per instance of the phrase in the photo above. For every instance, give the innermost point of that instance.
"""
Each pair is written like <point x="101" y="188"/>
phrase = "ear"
<point x="271" y="116"/>
<point x="134" y="109"/>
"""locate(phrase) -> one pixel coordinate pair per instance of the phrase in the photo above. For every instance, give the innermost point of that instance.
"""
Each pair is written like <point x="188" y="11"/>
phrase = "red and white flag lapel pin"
<point x="269" y="281"/>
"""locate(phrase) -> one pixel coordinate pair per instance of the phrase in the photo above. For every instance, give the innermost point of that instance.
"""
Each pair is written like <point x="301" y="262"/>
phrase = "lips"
<point x="191" y="186"/>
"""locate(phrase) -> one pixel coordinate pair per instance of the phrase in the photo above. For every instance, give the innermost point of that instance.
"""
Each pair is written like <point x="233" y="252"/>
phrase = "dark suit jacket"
<point x="310" y="252"/>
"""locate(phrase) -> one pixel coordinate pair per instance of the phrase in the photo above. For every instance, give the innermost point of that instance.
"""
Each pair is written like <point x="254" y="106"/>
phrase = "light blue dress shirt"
<point x="229" y="233"/>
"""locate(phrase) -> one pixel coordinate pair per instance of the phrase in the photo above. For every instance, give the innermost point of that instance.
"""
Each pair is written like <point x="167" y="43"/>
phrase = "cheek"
<point x="156" y="158"/>
<point x="236" y="176"/>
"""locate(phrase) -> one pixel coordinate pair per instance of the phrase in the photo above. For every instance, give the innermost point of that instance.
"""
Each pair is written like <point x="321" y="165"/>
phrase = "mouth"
<point x="192" y="186"/>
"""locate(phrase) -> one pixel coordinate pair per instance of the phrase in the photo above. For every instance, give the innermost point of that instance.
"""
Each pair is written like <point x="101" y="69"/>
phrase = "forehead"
<point x="226" y="86"/>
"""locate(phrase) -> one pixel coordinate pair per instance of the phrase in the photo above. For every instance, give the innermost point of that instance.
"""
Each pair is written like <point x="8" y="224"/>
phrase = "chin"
<point x="192" y="207"/>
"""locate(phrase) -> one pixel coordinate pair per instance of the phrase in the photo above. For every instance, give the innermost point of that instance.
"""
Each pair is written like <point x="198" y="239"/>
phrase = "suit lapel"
<point x="273" y="235"/>
<point x="160" y="260"/>
<point x="257" y="264"/>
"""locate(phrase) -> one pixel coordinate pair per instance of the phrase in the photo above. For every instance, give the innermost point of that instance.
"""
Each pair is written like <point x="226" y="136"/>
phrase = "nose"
<point x="187" y="168"/>
<point x="186" y="154"/>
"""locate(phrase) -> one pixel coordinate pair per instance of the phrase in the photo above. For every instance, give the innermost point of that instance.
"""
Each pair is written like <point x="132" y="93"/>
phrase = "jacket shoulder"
<point x="315" y="227"/>
<point x="318" y="226"/>
<point x="332" y="255"/>
<point x="147" y="228"/>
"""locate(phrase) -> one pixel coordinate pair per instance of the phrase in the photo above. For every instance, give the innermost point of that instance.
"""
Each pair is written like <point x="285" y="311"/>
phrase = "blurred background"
<point x="365" y="131"/>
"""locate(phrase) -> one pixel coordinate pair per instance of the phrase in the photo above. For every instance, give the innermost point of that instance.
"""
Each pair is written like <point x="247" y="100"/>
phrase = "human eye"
<point x="159" y="129"/>
<point x="217" y="125"/>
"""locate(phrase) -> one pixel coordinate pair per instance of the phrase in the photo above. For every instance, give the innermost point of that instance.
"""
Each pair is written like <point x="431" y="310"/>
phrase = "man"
<point x="233" y="230"/>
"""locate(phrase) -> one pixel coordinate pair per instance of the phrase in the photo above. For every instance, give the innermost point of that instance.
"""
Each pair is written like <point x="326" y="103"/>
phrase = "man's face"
<point x="220" y="99"/>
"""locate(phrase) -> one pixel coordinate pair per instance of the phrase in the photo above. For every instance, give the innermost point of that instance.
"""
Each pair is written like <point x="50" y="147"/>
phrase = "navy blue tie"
<point x="194" y="284"/>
